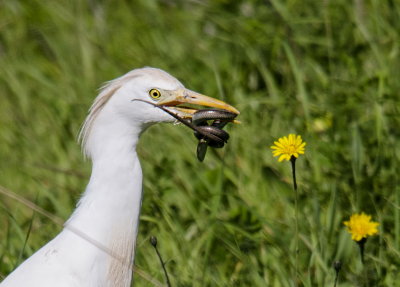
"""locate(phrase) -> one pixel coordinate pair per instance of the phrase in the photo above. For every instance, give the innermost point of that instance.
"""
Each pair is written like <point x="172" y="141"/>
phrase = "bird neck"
<point x="107" y="215"/>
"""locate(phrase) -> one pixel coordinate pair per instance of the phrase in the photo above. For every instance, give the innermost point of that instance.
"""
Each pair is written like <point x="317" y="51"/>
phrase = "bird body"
<point x="97" y="245"/>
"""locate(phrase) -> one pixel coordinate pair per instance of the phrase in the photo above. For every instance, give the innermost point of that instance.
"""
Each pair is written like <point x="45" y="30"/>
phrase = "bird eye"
<point x="154" y="93"/>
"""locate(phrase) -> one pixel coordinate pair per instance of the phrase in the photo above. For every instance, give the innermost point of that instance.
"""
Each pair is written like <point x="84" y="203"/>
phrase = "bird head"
<point x="123" y="103"/>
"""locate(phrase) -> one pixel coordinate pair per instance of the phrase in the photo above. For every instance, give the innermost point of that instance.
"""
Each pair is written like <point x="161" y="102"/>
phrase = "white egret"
<point x="97" y="245"/>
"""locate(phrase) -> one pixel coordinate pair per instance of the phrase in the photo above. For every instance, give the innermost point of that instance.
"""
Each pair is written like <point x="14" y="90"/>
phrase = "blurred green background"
<point x="328" y="70"/>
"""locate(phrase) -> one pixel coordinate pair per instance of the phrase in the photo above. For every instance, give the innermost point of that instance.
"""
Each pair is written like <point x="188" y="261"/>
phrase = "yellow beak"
<point x="184" y="96"/>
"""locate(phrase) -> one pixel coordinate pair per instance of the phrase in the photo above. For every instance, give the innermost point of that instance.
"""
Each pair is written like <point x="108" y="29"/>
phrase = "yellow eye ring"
<point x="155" y="94"/>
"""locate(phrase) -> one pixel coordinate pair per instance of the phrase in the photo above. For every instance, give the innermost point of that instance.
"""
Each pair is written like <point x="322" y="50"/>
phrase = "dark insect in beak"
<point x="211" y="134"/>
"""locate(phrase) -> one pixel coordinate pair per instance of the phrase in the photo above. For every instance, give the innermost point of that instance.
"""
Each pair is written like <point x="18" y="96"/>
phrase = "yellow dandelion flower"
<point x="289" y="146"/>
<point x="360" y="226"/>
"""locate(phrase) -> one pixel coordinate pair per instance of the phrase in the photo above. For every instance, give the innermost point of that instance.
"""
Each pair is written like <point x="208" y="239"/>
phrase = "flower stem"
<point x="337" y="265"/>
<point x="153" y="241"/>
<point x="293" y="161"/>
<point x="296" y="218"/>
<point x="361" y="244"/>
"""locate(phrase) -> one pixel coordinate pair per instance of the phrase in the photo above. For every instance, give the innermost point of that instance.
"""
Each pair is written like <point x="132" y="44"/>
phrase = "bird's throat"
<point x="107" y="216"/>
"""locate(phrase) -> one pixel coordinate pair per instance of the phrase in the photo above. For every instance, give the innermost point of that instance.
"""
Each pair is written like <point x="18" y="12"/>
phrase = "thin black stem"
<point x="361" y="244"/>
<point x="153" y="241"/>
<point x="336" y="279"/>
<point x="296" y="215"/>
<point x="337" y="265"/>
<point x="293" y="161"/>
<point x="163" y="267"/>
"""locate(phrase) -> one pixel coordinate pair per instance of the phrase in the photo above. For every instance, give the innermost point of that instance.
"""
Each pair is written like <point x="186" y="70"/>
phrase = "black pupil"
<point x="155" y="94"/>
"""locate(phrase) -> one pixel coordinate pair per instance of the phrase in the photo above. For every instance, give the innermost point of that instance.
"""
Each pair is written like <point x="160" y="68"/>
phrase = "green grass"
<point x="328" y="70"/>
